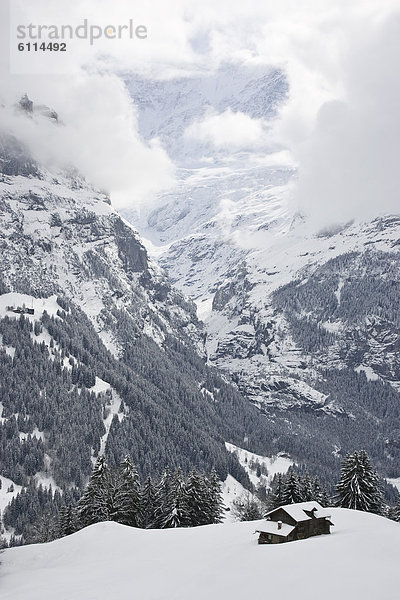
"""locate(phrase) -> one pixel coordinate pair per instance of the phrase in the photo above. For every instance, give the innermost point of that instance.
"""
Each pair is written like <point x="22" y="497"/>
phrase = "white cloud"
<point x="349" y="164"/>
<point x="98" y="135"/>
<point x="315" y="41"/>
<point x="232" y="130"/>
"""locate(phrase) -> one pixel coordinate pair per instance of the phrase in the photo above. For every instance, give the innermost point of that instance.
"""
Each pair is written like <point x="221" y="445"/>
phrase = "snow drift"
<point x="359" y="560"/>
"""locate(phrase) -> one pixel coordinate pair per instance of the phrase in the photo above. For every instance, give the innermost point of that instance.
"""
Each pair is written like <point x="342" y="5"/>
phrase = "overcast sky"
<point x="341" y="123"/>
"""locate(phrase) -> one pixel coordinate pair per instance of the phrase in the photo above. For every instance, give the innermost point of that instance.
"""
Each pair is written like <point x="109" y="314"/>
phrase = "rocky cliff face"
<point x="311" y="304"/>
<point x="60" y="236"/>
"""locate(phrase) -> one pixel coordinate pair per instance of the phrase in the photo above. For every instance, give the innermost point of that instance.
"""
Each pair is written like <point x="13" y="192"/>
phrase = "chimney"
<point x="279" y="524"/>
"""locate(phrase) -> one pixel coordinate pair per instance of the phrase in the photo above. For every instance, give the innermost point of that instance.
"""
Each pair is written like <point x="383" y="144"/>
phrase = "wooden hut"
<point x="294" y="522"/>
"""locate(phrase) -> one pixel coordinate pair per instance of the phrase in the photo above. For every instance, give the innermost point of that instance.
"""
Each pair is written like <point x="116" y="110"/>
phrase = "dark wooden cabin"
<point x="23" y="310"/>
<point x="294" y="522"/>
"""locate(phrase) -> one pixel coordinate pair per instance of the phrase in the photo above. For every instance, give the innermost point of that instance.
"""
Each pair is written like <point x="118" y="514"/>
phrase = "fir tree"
<point x="176" y="509"/>
<point x="3" y="543"/>
<point x="358" y="487"/>
<point x="16" y="540"/>
<point x="68" y="521"/>
<point x="326" y="499"/>
<point x="215" y="501"/>
<point x="197" y="498"/>
<point x="93" y="507"/>
<point x="126" y="507"/>
<point x="162" y="499"/>
<point x="292" y="492"/>
<point x="247" y="508"/>
<point x="45" y="528"/>
<point x="394" y="512"/>
<point x="276" y="495"/>
<point x="306" y="485"/>
<point x="148" y="503"/>
<point x="317" y="492"/>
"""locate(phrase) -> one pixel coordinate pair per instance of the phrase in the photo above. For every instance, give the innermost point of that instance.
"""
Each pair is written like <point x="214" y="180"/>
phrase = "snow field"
<point x="274" y="465"/>
<point x="358" y="561"/>
<point x="39" y="305"/>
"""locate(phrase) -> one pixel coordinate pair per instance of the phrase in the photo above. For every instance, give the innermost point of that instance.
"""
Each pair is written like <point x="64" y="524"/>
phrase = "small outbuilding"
<point x="23" y="310"/>
<point x="294" y="522"/>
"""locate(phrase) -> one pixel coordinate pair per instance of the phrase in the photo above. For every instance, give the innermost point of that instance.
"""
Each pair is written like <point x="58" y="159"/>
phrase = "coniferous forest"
<point x="117" y="494"/>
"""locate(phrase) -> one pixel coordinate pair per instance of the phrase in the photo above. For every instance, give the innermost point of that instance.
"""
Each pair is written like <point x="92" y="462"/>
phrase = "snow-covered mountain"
<point x="61" y="235"/>
<point x="98" y="352"/>
<point x="222" y="190"/>
<point x="358" y="560"/>
<point x="303" y="322"/>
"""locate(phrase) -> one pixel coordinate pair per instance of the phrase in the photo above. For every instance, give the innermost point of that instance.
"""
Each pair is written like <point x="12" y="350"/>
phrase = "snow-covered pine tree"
<point x="176" y="509"/>
<point x="394" y="512"/>
<point x="126" y="507"/>
<point x="93" y="506"/>
<point x="197" y="497"/>
<point x="215" y="501"/>
<point x="45" y="528"/>
<point x="276" y="496"/>
<point x="292" y="492"/>
<point x="247" y="508"/>
<point x="68" y="521"/>
<point x="148" y="503"/>
<point x="162" y="498"/>
<point x="306" y="488"/>
<point x="326" y="499"/>
<point x="317" y="492"/>
<point x="358" y="487"/>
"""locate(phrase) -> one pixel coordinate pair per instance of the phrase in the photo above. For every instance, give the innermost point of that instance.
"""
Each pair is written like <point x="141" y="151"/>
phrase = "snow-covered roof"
<point x="272" y="527"/>
<point x="297" y="511"/>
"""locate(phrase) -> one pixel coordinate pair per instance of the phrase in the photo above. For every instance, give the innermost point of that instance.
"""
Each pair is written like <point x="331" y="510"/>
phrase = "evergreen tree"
<point x="68" y="521"/>
<point x="176" y="509"/>
<point x="358" y="487"/>
<point x="247" y="508"/>
<point x="197" y="498"/>
<point x="215" y="500"/>
<point x="394" y="512"/>
<point x="306" y="488"/>
<point x="292" y="492"/>
<point x="93" y="507"/>
<point x="276" y="495"/>
<point x="45" y="528"/>
<point x="326" y="499"/>
<point x="162" y="499"/>
<point x="126" y="507"/>
<point x="3" y="543"/>
<point x="317" y="492"/>
<point x="16" y="540"/>
<point x="148" y="503"/>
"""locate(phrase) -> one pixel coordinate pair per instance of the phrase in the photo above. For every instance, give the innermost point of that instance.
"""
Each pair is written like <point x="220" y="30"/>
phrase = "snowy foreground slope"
<point x="358" y="561"/>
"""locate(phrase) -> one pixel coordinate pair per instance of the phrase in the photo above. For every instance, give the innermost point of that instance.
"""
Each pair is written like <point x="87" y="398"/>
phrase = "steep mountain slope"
<point x="222" y="190"/>
<point x="310" y="326"/>
<point x="305" y="323"/>
<point x="97" y="351"/>
<point x="358" y="560"/>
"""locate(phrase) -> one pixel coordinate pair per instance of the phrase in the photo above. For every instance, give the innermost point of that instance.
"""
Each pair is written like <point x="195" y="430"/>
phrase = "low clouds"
<point x="228" y="130"/>
<point x="98" y="135"/>
<point x="340" y="122"/>
<point x="349" y="164"/>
